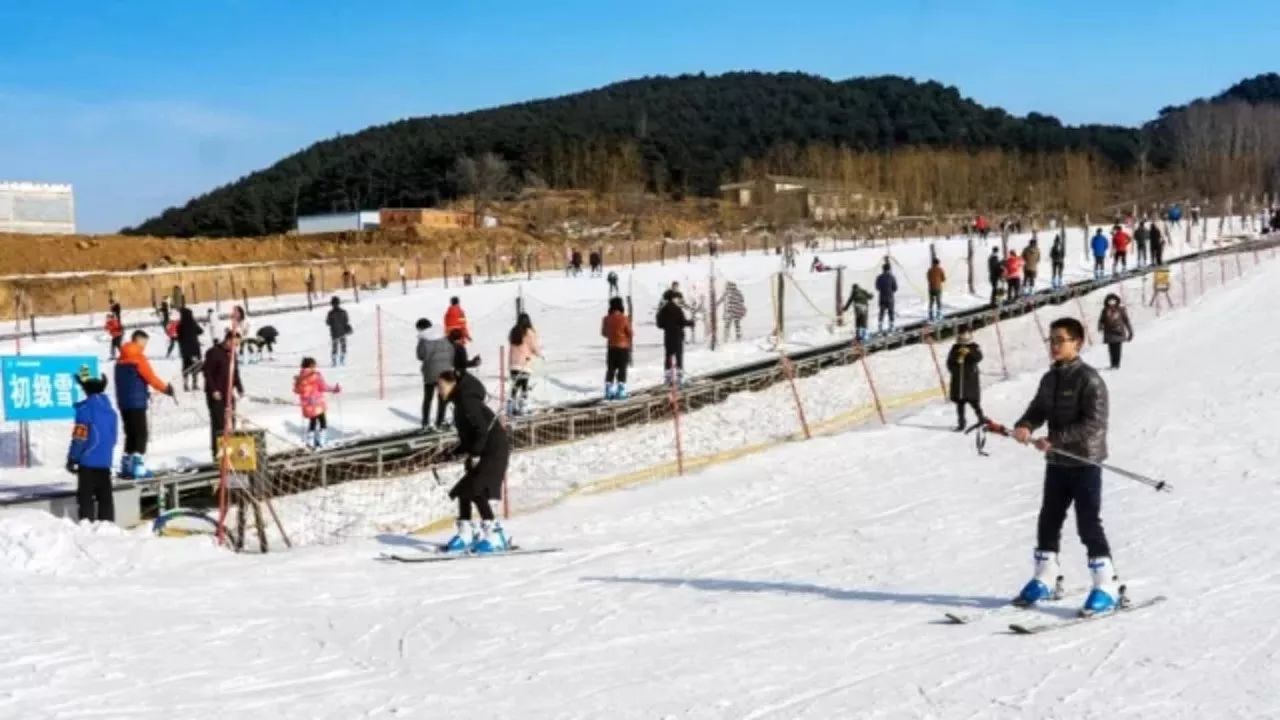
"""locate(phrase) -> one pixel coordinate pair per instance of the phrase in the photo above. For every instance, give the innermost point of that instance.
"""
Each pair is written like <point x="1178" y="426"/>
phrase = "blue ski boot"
<point x="1104" y="597"/>
<point x="463" y="539"/>
<point x="493" y="538"/>
<point x="609" y="392"/>
<point x="126" y="467"/>
<point x="1046" y="583"/>
<point x="620" y="391"/>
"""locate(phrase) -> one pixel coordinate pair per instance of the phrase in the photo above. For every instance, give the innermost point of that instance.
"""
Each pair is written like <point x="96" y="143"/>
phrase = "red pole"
<point x="675" y="413"/>
<point x="224" y="458"/>
<point x="24" y="433"/>
<point x="995" y="317"/>
<point x="1044" y="337"/>
<point x="933" y="350"/>
<point x="790" y="372"/>
<point x="502" y="413"/>
<point x="866" y="369"/>
<point x="382" y="390"/>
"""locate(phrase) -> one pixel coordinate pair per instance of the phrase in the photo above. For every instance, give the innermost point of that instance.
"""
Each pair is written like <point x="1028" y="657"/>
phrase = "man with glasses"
<point x="1072" y="399"/>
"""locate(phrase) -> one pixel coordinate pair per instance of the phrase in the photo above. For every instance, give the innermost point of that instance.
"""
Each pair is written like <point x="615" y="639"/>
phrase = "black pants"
<point x="94" y="500"/>
<point x="1064" y="485"/>
<point x="1057" y="270"/>
<point x="217" y="421"/>
<point x="995" y="291"/>
<point x="861" y="316"/>
<point x="428" y="394"/>
<point x="977" y="408"/>
<point x="1099" y="264"/>
<point x="935" y="302"/>
<point x="886" y="308"/>
<point x="519" y="384"/>
<point x="189" y="361"/>
<point x="135" y="431"/>
<point x="616" y="361"/>
<point x="613" y="288"/>
<point x="1015" y="288"/>
<point x="1114" y="349"/>
<point x="115" y="345"/>
<point x="1031" y="279"/>
<point x="173" y="343"/>
<point x="1157" y="253"/>
<point x="338" y="346"/>
<point x="481" y="503"/>
<point x="1142" y="253"/>
<point x="1120" y="260"/>
<point x="319" y="422"/>
<point x="674" y="350"/>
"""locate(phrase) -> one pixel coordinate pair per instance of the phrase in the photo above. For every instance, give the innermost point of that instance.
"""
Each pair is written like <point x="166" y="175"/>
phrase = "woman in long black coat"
<point x="484" y="442"/>
<point x="1115" y="327"/>
<point x="188" y="338"/>
<point x="963" y="361"/>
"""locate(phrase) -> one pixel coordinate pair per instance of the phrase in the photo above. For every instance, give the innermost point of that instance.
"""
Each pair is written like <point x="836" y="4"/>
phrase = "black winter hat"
<point x="92" y="386"/>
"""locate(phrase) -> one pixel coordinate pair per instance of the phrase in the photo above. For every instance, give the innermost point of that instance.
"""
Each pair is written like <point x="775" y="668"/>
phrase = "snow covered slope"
<point x="805" y="582"/>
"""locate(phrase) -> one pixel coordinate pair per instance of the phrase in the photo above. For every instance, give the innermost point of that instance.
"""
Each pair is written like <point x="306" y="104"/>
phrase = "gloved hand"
<point x="337" y="389"/>
<point x="168" y="390"/>
<point x="72" y="466"/>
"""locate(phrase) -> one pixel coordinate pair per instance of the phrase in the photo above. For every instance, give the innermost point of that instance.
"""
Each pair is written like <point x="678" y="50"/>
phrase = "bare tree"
<point x="484" y="179"/>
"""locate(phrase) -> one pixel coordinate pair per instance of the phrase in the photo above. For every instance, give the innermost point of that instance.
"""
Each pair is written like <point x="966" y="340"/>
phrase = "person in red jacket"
<point x="116" y="331"/>
<point x="981" y="226"/>
<point x="1013" y="275"/>
<point x="456" y="319"/>
<point x="1120" y="248"/>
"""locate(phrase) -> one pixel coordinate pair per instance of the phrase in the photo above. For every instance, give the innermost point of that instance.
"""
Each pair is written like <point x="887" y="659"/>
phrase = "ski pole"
<point x="998" y="429"/>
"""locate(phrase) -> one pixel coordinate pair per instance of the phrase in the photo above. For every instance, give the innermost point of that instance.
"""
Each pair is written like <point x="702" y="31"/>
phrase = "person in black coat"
<point x="963" y="362"/>
<point x="188" y="338"/>
<point x="995" y="272"/>
<point x="483" y="441"/>
<point x="221" y="375"/>
<point x="1115" y="327"/>
<point x="461" y="363"/>
<point x="672" y="321"/>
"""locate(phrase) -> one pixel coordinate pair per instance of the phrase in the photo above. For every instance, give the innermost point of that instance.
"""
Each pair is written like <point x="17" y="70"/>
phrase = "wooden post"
<point x="789" y="370"/>
<point x="866" y="370"/>
<point x="933" y="350"/>
<point x="675" y="414"/>
<point x="840" y="297"/>
<point x="780" y="316"/>
<point x="995" y="320"/>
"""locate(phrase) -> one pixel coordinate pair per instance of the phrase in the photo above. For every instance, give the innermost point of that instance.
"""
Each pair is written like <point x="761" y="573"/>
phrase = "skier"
<point x="133" y="376"/>
<point x="613" y="284"/>
<point x="266" y="339"/>
<point x="211" y="322"/>
<point x="575" y="262"/>
<point x="1120" y="249"/>
<point x="455" y="318"/>
<point x="189" y="332"/>
<point x="886" y="287"/>
<point x="1030" y="265"/>
<point x="995" y="273"/>
<point x="1013" y="276"/>
<point x="963" y="361"/>
<point x="483" y="440"/>
<point x="310" y="387"/>
<point x="1072" y="399"/>
<point x="460" y="361"/>
<point x="673" y="294"/>
<point x="115" y="330"/>
<point x="935" y="276"/>
<point x="1157" y="245"/>
<point x="1099" y="246"/>
<point x="616" y="329"/>
<point x="1115" y="328"/>
<point x="596" y="261"/>
<point x="170" y="330"/>
<point x="221" y="376"/>
<point x="524" y="347"/>
<point x="93" y="441"/>
<point x="860" y="301"/>
<point x="1057" y="261"/>
<point x="339" y="324"/>
<point x="982" y="228"/>
<point x="1140" y="236"/>
<point x="435" y="353"/>
<point x="672" y="321"/>
<point x="240" y="323"/>
<point x="735" y="309"/>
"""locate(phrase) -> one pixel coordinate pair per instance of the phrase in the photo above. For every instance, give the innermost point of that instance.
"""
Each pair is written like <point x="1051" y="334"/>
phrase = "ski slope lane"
<point x="806" y="582"/>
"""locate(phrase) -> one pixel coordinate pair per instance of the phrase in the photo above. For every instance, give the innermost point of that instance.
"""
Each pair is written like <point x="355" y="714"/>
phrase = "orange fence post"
<point x="933" y="350"/>
<point x="790" y="372"/>
<point x="1044" y="337"/>
<point x="1088" y="336"/>
<point x="382" y="388"/>
<point x="502" y="413"/>
<point x="866" y="369"/>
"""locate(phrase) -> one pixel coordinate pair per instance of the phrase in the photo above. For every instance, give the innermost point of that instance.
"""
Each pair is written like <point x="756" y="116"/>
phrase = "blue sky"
<point x="143" y="104"/>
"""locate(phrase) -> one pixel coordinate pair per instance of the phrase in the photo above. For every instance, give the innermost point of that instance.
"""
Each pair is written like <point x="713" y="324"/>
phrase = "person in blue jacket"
<point x="93" y="442"/>
<point x="1099" y="245"/>
<point x="886" y="288"/>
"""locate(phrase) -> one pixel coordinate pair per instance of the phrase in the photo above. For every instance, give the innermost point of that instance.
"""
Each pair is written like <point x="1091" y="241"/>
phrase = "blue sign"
<point x="43" y="388"/>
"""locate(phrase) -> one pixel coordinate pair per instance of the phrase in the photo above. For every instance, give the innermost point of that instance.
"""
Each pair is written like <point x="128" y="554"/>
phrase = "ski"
<point x="1019" y="629"/>
<point x="958" y="618"/>
<point x="439" y="556"/>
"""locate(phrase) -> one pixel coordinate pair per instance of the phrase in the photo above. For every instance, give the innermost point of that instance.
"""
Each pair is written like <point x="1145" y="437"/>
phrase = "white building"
<point x="338" y="222"/>
<point x="39" y="208"/>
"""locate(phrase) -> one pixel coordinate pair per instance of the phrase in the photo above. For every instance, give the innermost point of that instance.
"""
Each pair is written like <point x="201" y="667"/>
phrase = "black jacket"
<point x="995" y="269"/>
<point x="460" y="361"/>
<point x="672" y="322"/>
<point x="963" y="361"/>
<point x="339" y="323"/>
<point x="480" y="437"/>
<point x="1072" y="398"/>
<point x="1156" y="238"/>
<point x="217" y="372"/>
<point x="189" y="332"/>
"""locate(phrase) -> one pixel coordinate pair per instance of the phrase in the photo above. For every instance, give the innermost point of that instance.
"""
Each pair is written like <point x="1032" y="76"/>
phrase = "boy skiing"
<point x="339" y="328"/>
<point x="886" y="288"/>
<point x="133" y="378"/>
<point x="310" y="387"/>
<point x="93" y="441"/>
<point x="1072" y="399"/>
<point x="860" y="301"/>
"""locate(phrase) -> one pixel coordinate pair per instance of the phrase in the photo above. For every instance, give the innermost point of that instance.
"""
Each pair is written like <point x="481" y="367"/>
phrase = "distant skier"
<point x="483" y="440"/>
<point x="982" y="227"/>
<point x="171" y="332"/>
<point x="1157" y="245"/>
<point x="673" y="294"/>
<point x="115" y="330"/>
<point x="962" y="361"/>
<point x="523" y="348"/>
<point x="221" y="386"/>
<point x="613" y="284"/>
<point x="244" y="328"/>
<point x="189" y="332"/>
<point x="462" y="362"/>
<point x="309" y="385"/>
<point x="1072" y="399"/>
<point x="1119" y="249"/>
<point x="1013" y="276"/>
<point x="133" y="377"/>
<point x="1099" y="246"/>
<point x="735" y="309"/>
<point x="1115" y="328"/>
<point x="575" y="262"/>
<point x="860" y="301"/>
<point x="1057" y="262"/>
<point x="672" y="322"/>
<point x="89" y="458"/>
<point x="936" y="277"/>
<point x="1030" y="265"/>
<point x="455" y="318"/>
<point x="339" y="324"/>
<point x="995" y="274"/>
<point x="1140" y="239"/>
<point x="264" y="340"/>
<point x="596" y="261"/>
<point x="619" y="336"/>
<point x="435" y="353"/>
<point x="886" y="289"/>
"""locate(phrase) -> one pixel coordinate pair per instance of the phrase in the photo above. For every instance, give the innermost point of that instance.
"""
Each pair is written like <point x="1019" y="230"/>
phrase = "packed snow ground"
<point x="805" y="582"/>
<point x="567" y="314"/>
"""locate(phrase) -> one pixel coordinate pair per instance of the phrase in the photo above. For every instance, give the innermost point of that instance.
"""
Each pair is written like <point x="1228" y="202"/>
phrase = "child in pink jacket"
<point x="524" y="347"/>
<point x="310" y="388"/>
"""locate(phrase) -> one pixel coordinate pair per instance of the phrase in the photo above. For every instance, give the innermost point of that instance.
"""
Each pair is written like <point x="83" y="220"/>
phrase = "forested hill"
<point x="682" y="135"/>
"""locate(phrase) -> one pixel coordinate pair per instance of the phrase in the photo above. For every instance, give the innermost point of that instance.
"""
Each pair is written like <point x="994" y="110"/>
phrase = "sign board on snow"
<point x="42" y="387"/>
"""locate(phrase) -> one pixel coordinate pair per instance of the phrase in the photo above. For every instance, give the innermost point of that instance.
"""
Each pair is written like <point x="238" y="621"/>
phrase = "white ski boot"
<point x="1046" y="584"/>
<point x="322" y="438"/>
<point x="1105" y="596"/>
<point x="462" y="540"/>
<point x="492" y="538"/>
